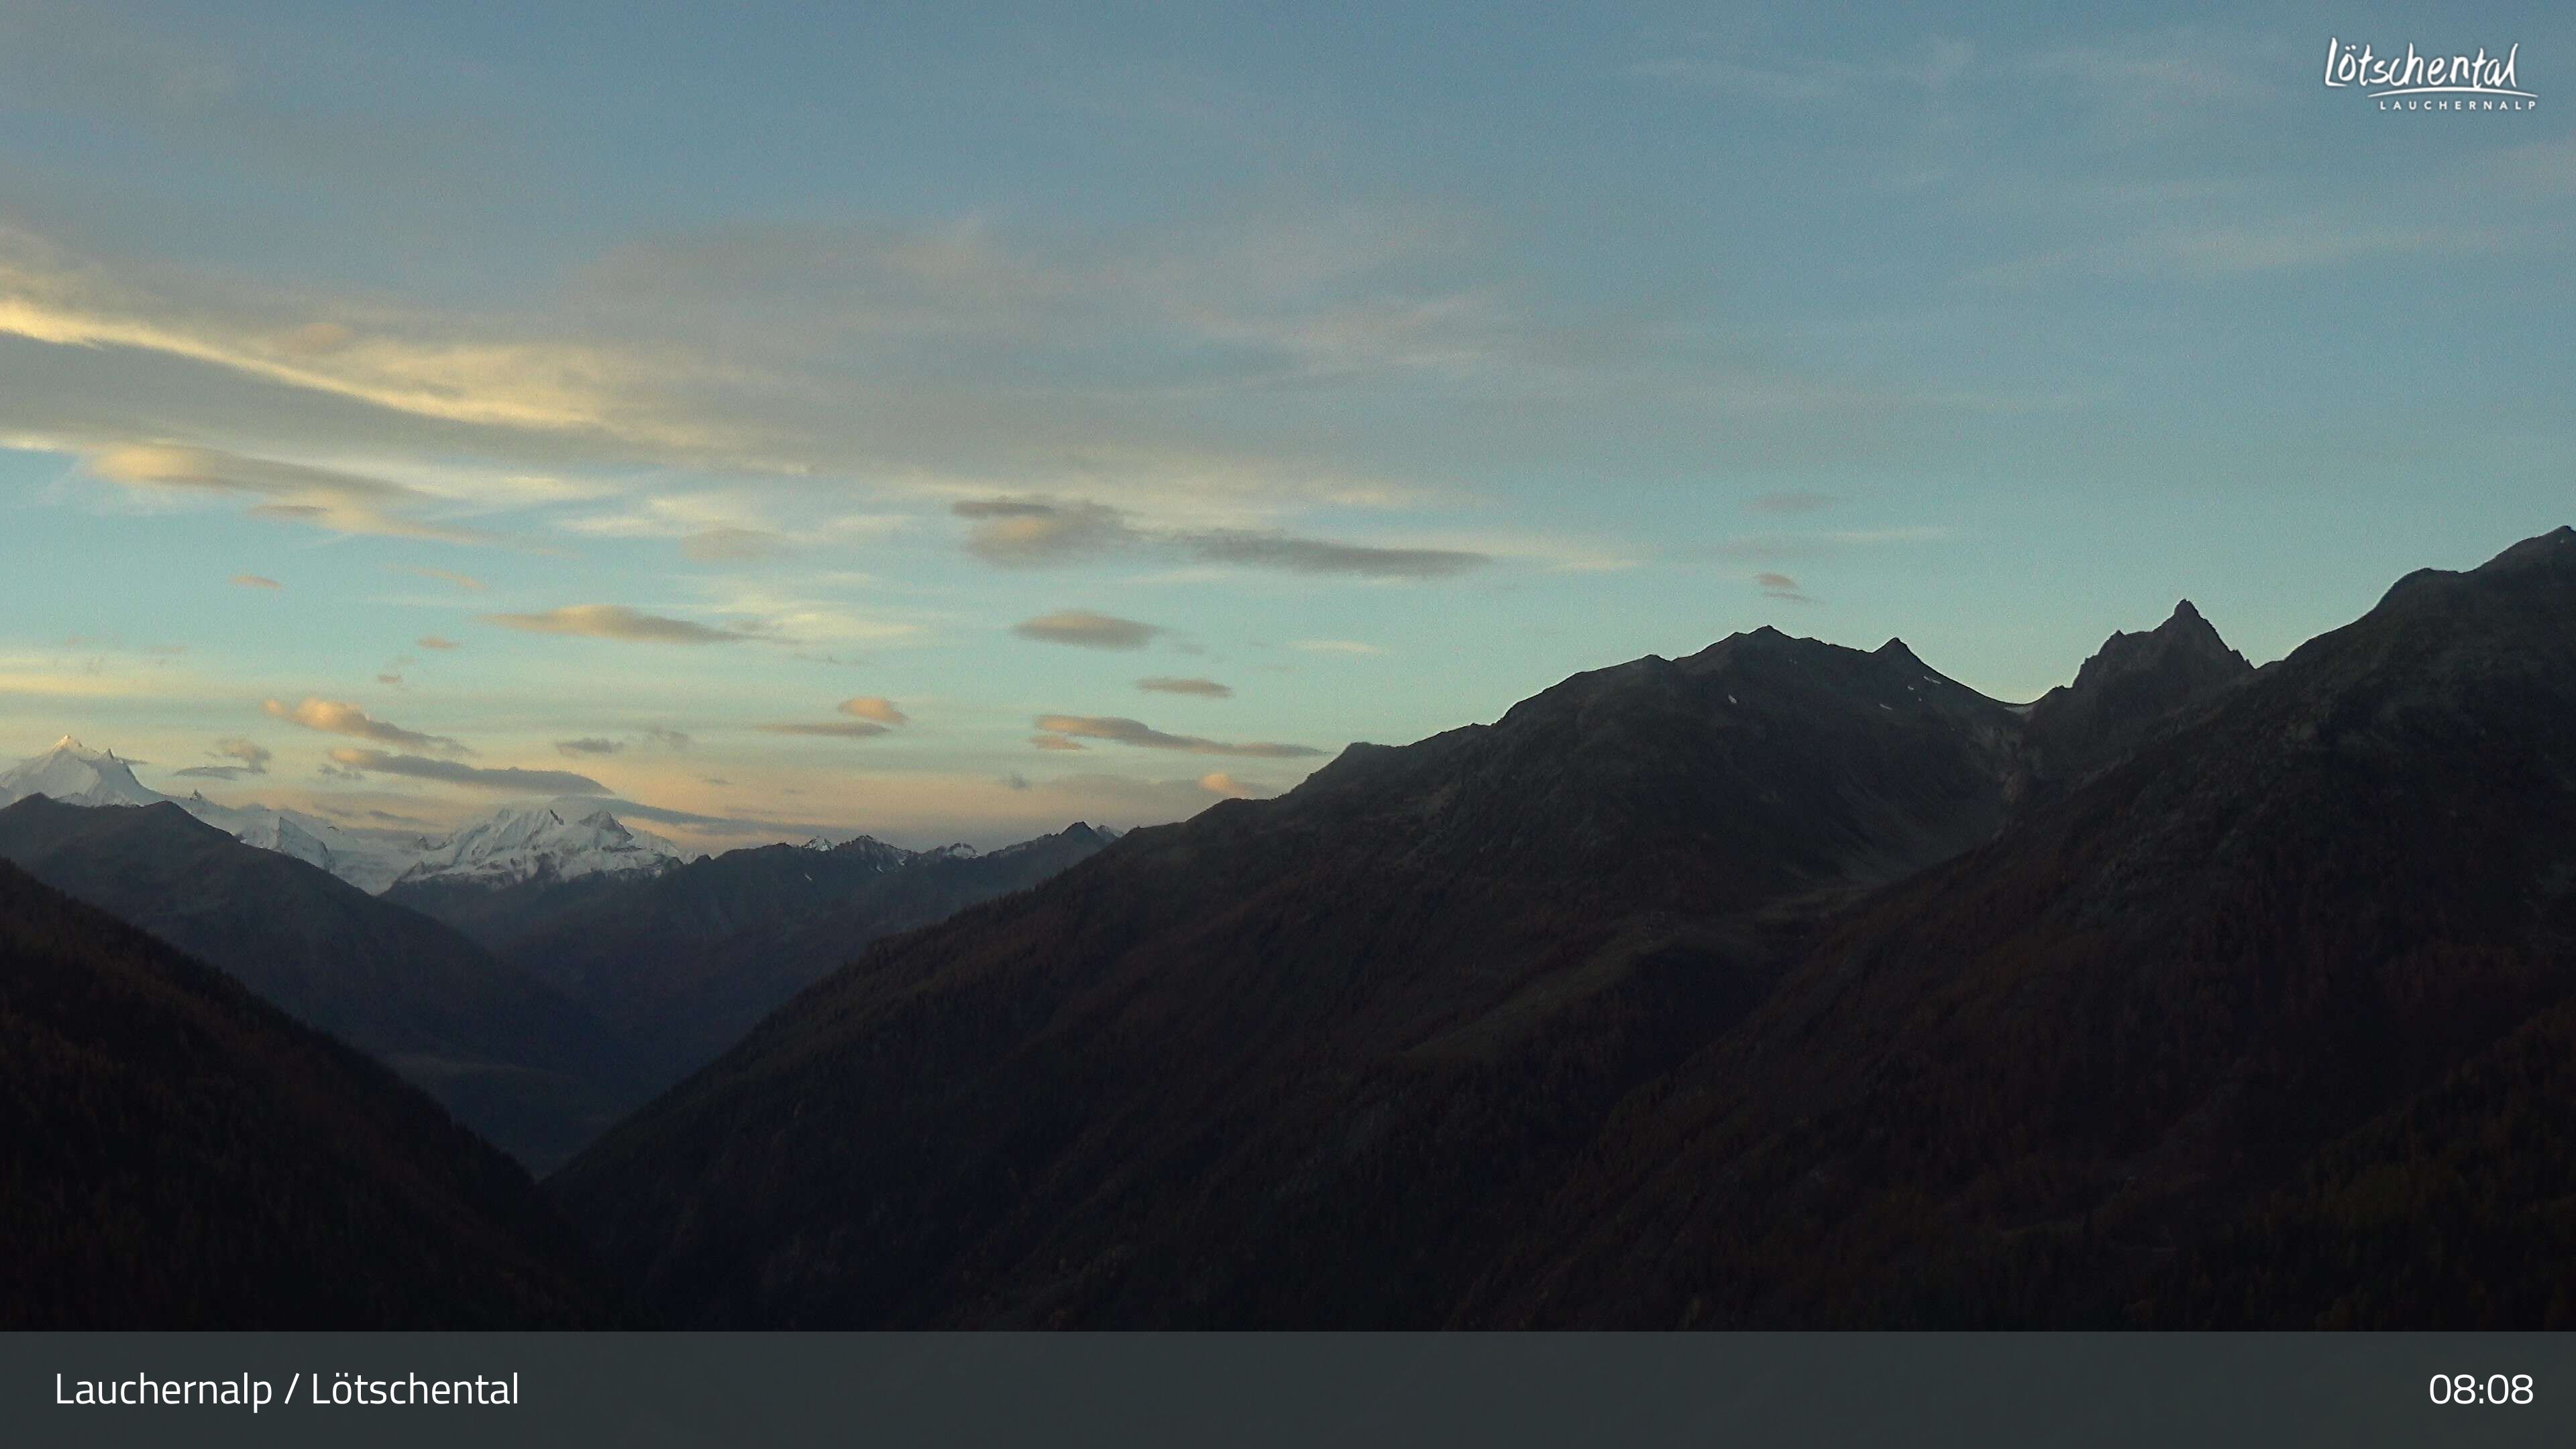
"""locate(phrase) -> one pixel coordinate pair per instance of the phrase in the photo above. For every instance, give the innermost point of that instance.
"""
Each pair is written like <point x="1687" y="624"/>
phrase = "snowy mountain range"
<point x="513" y="845"/>
<point x="565" y="839"/>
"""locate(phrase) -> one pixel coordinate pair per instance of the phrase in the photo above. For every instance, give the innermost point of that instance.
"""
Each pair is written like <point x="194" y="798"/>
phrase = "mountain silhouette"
<point x="2133" y="686"/>
<point x="2267" y="1026"/>
<point x="510" y="1057"/>
<point x="1300" y="1061"/>
<point x="185" y="1156"/>
<point x="1784" y="984"/>
<point x="684" y="966"/>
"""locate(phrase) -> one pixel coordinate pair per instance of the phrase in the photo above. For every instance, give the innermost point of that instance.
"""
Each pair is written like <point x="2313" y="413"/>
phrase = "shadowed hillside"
<point x="183" y="1155"/>
<point x="2264" y="1027"/>
<point x="1305" y="1060"/>
<point x="1734" y="990"/>
<point x="510" y="1057"/>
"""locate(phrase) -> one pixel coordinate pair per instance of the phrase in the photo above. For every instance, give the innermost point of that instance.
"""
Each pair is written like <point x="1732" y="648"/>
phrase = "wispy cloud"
<point x="338" y="717"/>
<point x="1032" y="532"/>
<point x="449" y="772"/>
<point x="335" y="501"/>
<point x="712" y="527"/>
<point x="1334" y="646"/>
<point x="1137" y="733"/>
<point x="2222" y="250"/>
<point x="417" y="365"/>
<point x="1036" y="532"/>
<point x="255" y="581"/>
<point x="1780" y="547"/>
<point x="810" y="613"/>
<point x="829" y="729"/>
<point x="249" y="758"/>
<point x="1318" y="556"/>
<point x="732" y="545"/>
<point x="1086" y="629"/>
<point x="438" y="642"/>
<point x="467" y="582"/>
<point x="588" y="745"/>
<point x="870" y="715"/>
<point x="1782" y="586"/>
<point x="1203" y="688"/>
<point x="616" y="621"/>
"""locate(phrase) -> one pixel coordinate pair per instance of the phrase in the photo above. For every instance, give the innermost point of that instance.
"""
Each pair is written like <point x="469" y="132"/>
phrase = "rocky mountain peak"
<point x="2132" y="686"/>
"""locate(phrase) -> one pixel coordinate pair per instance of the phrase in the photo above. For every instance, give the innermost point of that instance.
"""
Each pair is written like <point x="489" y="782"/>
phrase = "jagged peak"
<point x="2184" y="628"/>
<point x="2558" y="543"/>
<point x="67" y="745"/>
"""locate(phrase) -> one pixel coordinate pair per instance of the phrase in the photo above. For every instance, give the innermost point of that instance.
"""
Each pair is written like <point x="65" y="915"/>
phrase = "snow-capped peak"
<point x="75" y="774"/>
<point x="565" y="839"/>
<point x="525" y="842"/>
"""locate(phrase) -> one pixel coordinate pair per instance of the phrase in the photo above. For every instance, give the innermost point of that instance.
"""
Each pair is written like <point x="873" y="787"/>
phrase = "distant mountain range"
<point x="540" y="971"/>
<point x="182" y="1155"/>
<point x="564" y="840"/>
<point x="683" y="962"/>
<point x="1784" y="984"/>
<point x="513" y="1059"/>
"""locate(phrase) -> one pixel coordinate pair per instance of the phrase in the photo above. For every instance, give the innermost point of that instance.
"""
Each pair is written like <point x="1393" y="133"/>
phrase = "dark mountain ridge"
<point x="683" y="963"/>
<point x="1783" y="984"/>
<point x="725" y="893"/>
<point x="2266" y="1026"/>
<point x="185" y="1156"/>
<point x="1401" y="998"/>
<point x="2133" y="686"/>
<point x="509" y="1056"/>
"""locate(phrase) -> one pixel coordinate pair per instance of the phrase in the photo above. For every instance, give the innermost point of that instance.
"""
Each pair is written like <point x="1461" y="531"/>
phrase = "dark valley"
<point x="183" y="1155"/>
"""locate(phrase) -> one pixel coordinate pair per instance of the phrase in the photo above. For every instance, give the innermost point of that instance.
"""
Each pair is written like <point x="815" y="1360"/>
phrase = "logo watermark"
<point x="2419" y="82"/>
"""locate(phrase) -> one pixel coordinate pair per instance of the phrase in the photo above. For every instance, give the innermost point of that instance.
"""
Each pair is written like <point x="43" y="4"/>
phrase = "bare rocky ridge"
<point x="2133" y="686"/>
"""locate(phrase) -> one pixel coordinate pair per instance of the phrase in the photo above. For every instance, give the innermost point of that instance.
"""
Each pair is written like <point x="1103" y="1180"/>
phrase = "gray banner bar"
<point x="1251" y="1390"/>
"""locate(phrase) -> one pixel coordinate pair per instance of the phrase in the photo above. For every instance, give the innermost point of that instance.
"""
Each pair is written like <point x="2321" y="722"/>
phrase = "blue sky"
<point x="700" y="380"/>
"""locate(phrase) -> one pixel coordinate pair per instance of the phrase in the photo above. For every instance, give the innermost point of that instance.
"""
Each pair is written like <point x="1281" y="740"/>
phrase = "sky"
<point x="952" y="422"/>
